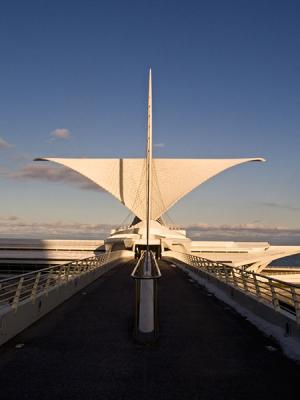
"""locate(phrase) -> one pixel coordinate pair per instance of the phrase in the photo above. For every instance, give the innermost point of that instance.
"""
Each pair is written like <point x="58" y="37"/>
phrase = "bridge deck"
<point x="84" y="349"/>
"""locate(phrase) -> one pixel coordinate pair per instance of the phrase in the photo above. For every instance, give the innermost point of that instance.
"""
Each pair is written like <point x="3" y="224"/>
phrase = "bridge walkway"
<point x="84" y="349"/>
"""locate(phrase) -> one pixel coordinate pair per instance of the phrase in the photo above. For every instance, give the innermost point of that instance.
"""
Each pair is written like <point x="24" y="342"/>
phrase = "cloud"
<point x="17" y="227"/>
<point x="244" y="232"/>
<point x="279" y="205"/>
<point x="8" y="218"/>
<point x="52" y="174"/>
<point x="4" y="144"/>
<point x="159" y="145"/>
<point x="14" y="226"/>
<point x="60" y="133"/>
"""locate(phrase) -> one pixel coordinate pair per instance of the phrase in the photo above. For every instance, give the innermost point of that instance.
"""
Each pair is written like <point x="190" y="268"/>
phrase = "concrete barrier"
<point x="13" y="322"/>
<point x="282" y="327"/>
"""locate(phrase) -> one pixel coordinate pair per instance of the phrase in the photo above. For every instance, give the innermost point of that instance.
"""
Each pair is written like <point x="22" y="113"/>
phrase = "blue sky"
<point x="73" y="79"/>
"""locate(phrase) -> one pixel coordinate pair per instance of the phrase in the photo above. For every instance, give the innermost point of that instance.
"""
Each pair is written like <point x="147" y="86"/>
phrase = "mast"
<point x="149" y="159"/>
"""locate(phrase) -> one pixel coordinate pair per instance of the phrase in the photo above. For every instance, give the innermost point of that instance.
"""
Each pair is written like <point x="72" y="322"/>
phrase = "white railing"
<point x="28" y="286"/>
<point x="282" y="296"/>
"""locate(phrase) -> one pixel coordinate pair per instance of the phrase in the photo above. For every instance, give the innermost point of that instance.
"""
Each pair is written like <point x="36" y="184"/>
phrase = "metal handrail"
<point x="138" y="272"/>
<point x="52" y="267"/>
<point x="27" y="286"/>
<point x="282" y="296"/>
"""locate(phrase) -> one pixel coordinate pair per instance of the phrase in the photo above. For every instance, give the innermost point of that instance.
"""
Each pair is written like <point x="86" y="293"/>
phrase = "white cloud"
<point x="14" y="226"/>
<point x="244" y="232"/>
<point x="52" y="174"/>
<point x="8" y="218"/>
<point x="279" y="205"/>
<point x="159" y="145"/>
<point x="17" y="227"/>
<point x="60" y="133"/>
<point x="4" y="144"/>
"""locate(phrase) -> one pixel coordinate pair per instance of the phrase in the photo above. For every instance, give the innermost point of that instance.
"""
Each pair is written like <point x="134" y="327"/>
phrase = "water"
<point x="290" y="261"/>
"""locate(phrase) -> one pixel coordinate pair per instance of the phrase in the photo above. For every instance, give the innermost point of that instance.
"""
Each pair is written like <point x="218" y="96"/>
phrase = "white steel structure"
<point x="149" y="187"/>
<point x="172" y="179"/>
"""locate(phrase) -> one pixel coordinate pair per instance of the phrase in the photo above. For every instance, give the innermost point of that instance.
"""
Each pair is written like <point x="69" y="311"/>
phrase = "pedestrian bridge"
<point x="27" y="297"/>
<point x="85" y="348"/>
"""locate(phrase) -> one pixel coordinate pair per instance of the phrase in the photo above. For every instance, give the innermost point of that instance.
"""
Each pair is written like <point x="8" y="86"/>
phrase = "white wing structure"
<point x="172" y="179"/>
<point x="149" y="187"/>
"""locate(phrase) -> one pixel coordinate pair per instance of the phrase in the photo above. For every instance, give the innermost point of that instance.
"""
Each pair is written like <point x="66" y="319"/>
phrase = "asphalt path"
<point x="84" y="349"/>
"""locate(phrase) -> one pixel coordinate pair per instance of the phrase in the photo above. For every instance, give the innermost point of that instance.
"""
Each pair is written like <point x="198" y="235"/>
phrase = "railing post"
<point x="296" y="304"/>
<point x="274" y="296"/>
<point x="76" y="271"/>
<point x="257" y="288"/>
<point x="16" y="299"/>
<point x="82" y="267"/>
<point x="48" y="281"/>
<point x="35" y="286"/>
<point x="61" y="273"/>
<point x="79" y="267"/>
<point x="234" y="280"/>
<point x="67" y="269"/>
<point x="226" y="276"/>
<point x="244" y="279"/>
<point x="86" y="266"/>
